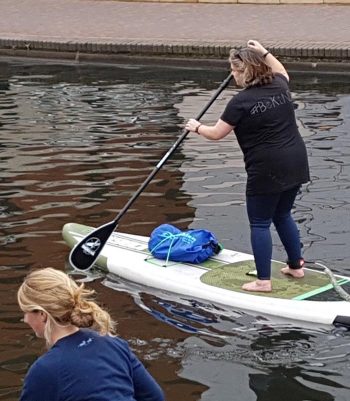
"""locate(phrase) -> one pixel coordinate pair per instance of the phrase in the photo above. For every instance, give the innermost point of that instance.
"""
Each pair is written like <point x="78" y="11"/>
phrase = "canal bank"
<point x="309" y="36"/>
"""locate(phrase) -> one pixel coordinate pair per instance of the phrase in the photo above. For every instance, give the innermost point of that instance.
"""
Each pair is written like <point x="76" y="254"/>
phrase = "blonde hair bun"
<point x="63" y="300"/>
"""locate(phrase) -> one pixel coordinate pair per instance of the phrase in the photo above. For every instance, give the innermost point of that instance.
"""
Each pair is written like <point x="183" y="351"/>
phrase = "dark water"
<point x="77" y="141"/>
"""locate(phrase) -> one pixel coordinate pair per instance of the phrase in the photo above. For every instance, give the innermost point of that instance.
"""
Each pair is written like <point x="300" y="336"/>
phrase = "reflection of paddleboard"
<point x="219" y="280"/>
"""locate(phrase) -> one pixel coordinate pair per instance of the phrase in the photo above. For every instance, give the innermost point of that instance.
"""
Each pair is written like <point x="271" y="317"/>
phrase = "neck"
<point x="60" y="332"/>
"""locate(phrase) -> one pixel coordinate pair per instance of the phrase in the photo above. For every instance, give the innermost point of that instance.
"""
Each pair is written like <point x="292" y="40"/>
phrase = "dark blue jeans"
<point x="264" y="210"/>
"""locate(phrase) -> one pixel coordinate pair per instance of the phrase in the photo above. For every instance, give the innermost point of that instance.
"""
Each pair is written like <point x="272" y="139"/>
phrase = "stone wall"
<point x="250" y="1"/>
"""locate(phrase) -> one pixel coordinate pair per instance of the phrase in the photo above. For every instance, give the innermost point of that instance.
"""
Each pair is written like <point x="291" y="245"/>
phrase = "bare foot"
<point x="258" y="286"/>
<point x="296" y="273"/>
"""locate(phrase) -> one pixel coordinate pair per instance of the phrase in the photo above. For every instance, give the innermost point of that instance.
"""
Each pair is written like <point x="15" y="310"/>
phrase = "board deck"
<point x="219" y="279"/>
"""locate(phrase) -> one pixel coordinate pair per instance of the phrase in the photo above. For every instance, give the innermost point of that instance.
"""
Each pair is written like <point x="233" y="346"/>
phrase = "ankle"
<point x="296" y="264"/>
<point x="258" y="285"/>
<point x="263" y="282"/>
<point x="296" y="273"/>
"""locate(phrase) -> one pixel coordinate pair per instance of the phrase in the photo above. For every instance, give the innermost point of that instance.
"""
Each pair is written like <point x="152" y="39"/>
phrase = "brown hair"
<point x="63" y="300"/>
<point x="252" y="65"/>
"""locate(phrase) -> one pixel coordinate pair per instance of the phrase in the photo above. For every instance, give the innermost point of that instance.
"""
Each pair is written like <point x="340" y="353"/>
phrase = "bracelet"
<point x="265" y="54"/>
<point x="197" y="128"/>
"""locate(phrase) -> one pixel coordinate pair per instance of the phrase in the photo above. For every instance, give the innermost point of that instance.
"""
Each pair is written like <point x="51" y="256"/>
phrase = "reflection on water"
<point x="77" y="141"/>
<point x="233" y="352"/>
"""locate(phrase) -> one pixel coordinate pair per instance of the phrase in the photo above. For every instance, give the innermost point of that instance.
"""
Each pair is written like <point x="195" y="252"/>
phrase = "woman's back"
<point x="88" y="366"/>
<point x="266" y="130"/>
<point x="263" y="116"/>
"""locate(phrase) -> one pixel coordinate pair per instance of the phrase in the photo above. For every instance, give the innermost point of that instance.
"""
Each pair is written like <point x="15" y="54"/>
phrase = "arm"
<point x="146" y="388"/>
<point x="213" y="132"/>
<point x="270" y="60"/>
<point x="40" y="384"/>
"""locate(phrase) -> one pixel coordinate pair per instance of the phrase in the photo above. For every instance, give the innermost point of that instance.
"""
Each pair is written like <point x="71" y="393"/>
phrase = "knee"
<point x="262" y="224"/>
<point x="281" y="218"/>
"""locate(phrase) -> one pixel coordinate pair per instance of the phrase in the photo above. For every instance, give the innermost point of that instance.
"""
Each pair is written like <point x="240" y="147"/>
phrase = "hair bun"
<point x="80" y="318"/>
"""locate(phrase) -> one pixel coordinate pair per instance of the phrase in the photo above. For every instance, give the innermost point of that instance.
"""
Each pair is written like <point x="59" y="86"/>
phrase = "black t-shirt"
<point x="265" y="126"/>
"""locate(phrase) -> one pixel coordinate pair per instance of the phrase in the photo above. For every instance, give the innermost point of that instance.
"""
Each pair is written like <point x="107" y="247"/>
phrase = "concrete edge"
<point x="299" y="58"/>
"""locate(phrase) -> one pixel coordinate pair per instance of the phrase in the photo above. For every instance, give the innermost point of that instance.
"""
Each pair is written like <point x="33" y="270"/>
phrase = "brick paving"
<point x="104" y="27"/>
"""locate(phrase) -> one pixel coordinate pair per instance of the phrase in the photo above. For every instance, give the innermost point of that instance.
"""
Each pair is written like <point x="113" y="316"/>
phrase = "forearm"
<point x="209" y="132"/>
<point x="276" y="66"/>
<point x="212" y="132"/>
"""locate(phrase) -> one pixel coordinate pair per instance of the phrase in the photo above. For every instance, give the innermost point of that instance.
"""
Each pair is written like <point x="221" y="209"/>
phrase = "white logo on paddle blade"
<point x="91" y="246"/>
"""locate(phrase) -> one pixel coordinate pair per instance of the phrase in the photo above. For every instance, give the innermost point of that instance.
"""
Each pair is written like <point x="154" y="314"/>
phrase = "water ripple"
<point x="77" y="141"/>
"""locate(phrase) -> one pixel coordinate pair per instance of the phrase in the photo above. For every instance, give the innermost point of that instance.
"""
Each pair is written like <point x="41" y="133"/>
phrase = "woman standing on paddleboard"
<point x="84" y="361"/>
<point x="262" y="117"/>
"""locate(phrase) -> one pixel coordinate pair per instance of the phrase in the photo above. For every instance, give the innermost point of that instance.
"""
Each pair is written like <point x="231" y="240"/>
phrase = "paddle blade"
<point x="85" y="252"/>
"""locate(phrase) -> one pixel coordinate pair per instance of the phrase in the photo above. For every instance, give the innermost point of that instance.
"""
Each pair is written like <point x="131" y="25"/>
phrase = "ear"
<point x="43" y="316"/>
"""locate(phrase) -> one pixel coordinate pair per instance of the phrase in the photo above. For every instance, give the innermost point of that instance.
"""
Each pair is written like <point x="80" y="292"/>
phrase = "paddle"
<point x="85" y="252"/>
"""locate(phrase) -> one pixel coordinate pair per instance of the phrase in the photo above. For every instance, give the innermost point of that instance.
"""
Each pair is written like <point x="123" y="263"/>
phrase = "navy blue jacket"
<point x="88" y="366"/>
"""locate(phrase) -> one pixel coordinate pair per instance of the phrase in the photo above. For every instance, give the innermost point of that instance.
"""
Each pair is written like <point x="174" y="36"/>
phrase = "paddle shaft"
<point x="171" y="151"/>
<point x="85" y="253"/>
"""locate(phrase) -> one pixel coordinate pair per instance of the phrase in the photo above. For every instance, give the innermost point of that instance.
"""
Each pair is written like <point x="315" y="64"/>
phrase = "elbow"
<point x="218" y="134"/>
<point x="215" y="137"/>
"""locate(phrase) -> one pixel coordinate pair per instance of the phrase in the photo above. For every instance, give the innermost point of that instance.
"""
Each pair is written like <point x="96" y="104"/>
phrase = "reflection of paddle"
<point x="85" y="253"/>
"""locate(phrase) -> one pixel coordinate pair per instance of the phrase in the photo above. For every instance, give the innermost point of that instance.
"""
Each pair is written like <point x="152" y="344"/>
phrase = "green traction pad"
<point x="232" y="276"/>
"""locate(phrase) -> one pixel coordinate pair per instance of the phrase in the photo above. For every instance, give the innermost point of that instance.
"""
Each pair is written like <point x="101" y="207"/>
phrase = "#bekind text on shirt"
<point x="271" y="103"/>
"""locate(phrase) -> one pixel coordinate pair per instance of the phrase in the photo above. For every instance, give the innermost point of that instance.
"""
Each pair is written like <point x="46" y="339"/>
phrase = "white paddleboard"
<point x="219" y="279"/>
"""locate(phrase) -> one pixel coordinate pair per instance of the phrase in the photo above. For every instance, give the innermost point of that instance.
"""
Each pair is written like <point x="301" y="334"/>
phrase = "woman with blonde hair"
<point x="262" y="117"/>
<point x="85" y="360"/>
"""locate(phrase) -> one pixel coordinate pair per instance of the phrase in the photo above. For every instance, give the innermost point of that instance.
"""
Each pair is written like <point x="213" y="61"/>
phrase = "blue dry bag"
<point x="194" y="246"/>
